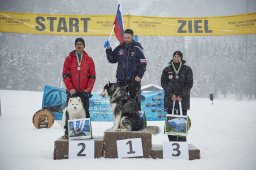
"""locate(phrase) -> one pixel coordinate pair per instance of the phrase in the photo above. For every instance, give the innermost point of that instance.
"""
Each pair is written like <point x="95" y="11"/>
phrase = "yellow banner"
<point x="101" y="25"/>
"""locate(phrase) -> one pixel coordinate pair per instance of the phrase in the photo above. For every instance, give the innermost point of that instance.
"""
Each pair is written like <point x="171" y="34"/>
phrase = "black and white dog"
<point x="125" y="109"/>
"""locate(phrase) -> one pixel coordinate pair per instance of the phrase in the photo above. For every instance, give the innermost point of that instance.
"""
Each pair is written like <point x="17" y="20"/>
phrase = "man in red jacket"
<point x="79" y="74"/>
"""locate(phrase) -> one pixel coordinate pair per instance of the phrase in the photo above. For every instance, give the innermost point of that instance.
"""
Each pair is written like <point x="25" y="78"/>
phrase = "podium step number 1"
<point x="175" y="150"/>
<point x="129" y="148"/>
<point x="81" y="149"/>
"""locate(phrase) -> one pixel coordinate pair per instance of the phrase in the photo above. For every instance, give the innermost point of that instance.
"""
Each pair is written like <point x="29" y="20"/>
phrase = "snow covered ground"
<point x="224" y="132"/>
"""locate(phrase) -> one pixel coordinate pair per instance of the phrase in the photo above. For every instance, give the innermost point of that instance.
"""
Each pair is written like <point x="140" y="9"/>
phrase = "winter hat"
<point x="79" y="40"/>
<point x="178" y="53"/>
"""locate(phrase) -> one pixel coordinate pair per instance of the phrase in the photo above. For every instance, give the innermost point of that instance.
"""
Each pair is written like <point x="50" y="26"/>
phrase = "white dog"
<point x="75" y="110"/>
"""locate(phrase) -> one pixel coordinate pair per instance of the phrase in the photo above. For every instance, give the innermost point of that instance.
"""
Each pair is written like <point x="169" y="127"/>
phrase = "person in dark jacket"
<point x="131" y="64"/>
<point x="177" y="81"/>
<point x="79" y="75"/>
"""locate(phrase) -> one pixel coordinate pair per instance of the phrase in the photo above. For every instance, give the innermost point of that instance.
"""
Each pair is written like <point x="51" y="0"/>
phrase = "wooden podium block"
<point x="151" y="129"/>
<point x="157" y="152"/>
<point x="61" y="147"/>
<point x="194" y="153"/>
<point x="110" y="145"/>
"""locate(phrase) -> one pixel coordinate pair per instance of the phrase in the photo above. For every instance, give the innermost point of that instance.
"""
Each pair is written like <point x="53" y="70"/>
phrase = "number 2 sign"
<point x="175" y="150"/>
<point x="129" y="148"/>
<point x="81" y="149"/>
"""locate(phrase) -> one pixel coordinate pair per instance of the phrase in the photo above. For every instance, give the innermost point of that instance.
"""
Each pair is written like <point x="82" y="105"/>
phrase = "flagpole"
<point x="111" y="33"/>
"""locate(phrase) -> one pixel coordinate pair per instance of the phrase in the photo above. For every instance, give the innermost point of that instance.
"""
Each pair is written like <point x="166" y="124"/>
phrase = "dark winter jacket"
<point x="177" y="86"/>
<point x="130" y="59"/>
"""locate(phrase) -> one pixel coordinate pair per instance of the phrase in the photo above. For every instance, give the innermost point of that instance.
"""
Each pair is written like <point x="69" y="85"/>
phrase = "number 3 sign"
<point x="175" y="150"/>
<point x="129" y="148"/>
<point x="81" y="149"/>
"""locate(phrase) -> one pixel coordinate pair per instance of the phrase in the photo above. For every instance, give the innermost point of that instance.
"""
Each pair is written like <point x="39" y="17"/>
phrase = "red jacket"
<point x="82" y="79"/>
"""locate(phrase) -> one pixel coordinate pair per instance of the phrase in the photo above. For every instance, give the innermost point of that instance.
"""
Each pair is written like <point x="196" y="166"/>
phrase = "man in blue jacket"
<point x="131" y="64"/>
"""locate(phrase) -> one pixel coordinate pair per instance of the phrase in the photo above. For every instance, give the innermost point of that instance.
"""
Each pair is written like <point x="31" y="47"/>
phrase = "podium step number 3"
<point x="129" y="148"/>
<point x="175" y="150"/>
<point x="81" y="149"/>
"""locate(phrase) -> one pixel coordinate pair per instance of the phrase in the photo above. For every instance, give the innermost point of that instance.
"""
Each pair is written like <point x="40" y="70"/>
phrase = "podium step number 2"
<point x="81" y="149"/>
<point x="127" y="148"/>
<point x="175" y="150"/>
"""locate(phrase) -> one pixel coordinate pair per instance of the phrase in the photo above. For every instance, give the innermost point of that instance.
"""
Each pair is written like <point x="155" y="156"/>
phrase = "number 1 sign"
<point x="129" y="148"/>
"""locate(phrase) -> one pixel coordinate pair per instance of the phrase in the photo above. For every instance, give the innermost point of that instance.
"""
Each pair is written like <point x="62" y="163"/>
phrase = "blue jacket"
<point x="130" y="59"/>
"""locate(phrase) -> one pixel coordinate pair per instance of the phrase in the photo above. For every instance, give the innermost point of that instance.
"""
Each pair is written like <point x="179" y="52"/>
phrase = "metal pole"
<point x="0" y="108"/>
<point x="128" y="20"/>
<point x="246" y="54"/>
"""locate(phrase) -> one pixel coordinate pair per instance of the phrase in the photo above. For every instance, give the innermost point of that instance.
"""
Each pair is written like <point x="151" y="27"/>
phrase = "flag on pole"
<point x="119" y="25"/>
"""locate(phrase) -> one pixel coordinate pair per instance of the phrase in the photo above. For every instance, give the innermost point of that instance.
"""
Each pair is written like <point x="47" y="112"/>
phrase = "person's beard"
<point x="127" y="42"/>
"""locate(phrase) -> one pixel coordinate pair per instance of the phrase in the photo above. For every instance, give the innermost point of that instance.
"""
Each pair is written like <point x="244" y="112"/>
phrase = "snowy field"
<point x="224" y="132"/>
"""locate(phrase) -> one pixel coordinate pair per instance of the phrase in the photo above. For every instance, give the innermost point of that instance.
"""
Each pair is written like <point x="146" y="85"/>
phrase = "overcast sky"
<point x="172" y="8"/>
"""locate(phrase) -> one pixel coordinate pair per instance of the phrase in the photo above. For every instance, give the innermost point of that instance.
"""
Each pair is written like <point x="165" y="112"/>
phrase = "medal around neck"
<point x="176" y="70"/>
<point x="78" y="61"/>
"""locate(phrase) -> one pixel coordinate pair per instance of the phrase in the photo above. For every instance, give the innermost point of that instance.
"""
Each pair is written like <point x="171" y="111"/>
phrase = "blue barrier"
<point x="54" y="99"/>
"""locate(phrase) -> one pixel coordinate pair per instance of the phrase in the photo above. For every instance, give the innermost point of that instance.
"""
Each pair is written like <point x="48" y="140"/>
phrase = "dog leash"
<point x="128" y="84"/>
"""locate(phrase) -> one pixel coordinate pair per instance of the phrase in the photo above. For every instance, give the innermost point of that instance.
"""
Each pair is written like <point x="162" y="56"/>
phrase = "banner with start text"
<point x="101" y="25"/>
